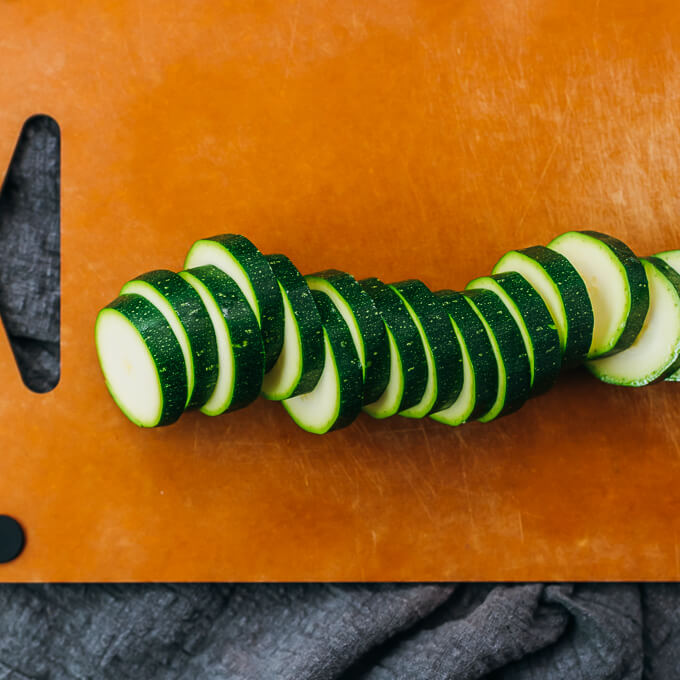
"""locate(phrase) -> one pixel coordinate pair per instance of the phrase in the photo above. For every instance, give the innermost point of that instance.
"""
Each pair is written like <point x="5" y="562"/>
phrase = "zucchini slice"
<point x="408" y="365"/>
<point x="671" y="258"/>
<point x="237" y="256"/>
<point x="563" y="292"/>
<point x="616" y="283"/>
<point x="655" y="353"/>
<point x="480" y="370"/>
<point x="336" y="400"/>
<point x="541" y="340"/>
<point x="300" y="363"/>
<point x="514" y="376"/>
<point x="183" y="309"/>
<point x="364" y="323"/>
<point x="442" y="350"/>
<point x="142" y="361"/>
<point x="239" y="341"/>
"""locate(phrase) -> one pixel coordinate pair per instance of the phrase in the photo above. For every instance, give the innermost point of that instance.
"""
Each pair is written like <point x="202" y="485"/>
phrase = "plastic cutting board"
<point x="388" y="138"/>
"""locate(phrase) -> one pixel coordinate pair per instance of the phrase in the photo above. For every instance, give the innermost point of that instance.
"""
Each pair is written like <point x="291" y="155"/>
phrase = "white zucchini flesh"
<point x="460" y="410"/>
<point x="335" y="401"/>
<point x="130" y="371"/>
<point x="317" y="411"/>
<point x="285" y="374"/>
<point x="388" y="403"/>
<point x="210" y="252"/>
<point x="497" y="406"/>
<point x="165" y="308"/>
<point x="544" y="285"/>
<point x="300" y="362"/>
<point x="607" y="284"/>
<point x="563" y="292"/>
<point x="423" y="407"/>
<point x="490" y="284"/>
<point x="366" y="327"/>
<point x="605" y="281"/>
<point x="224" y="388"/>
<point x="656" y="349"/>
<point x="317" y="283"/>
<point x="672" y="259"/>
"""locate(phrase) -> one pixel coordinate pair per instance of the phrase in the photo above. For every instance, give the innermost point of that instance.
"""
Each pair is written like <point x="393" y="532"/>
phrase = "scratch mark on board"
<point x="555" y="146"/>
<point x="521" y="525"/>
<point x="466" y="489"/>
<point x="293" y="37"/>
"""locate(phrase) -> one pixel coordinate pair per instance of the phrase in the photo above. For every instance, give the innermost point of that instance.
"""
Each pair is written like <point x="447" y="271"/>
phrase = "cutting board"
<point x="391" y="138"/>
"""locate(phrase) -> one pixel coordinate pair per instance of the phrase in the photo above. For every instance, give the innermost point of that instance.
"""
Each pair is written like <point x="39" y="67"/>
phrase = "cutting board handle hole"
<point x="12" y="539"/>
<point x="30" y="245"/>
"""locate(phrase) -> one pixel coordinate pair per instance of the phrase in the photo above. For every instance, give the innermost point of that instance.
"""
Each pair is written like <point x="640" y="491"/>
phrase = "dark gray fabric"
<point x="371" y="632"/>
<point x="289" y="632"/>
<point x="29" y="253"/>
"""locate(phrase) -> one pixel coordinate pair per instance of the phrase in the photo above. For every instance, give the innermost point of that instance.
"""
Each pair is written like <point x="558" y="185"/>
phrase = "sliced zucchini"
<point x="563" y="292"/>
<point x="300" y="363"/>
<point x="442" y="350"/>
<point x="408" y="365"/>
<point x="183" y="309"/>
<point x="655" y="353"/>
<point x="142" y="361"/>
<point x="616" y="283"/>
<point x="541" y="340"/>
<point x="364" y="323"/>
<point x="480" y="368"/>
<point x="239" y="341"/>
<point x="671" y="258"/>
<point x="336" y="400"/>
<point x="514" y="376"/>
<point x="237" y="256"/>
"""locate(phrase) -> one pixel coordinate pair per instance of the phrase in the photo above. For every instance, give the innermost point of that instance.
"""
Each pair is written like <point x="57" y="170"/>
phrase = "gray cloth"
<point x="29" y="253"/>
<point x="288" y="632"/>
<point x="371" y="632"/>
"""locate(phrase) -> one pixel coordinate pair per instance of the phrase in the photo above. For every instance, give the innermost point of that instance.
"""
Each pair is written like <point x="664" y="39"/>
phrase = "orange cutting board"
<point x="393" y="138"/>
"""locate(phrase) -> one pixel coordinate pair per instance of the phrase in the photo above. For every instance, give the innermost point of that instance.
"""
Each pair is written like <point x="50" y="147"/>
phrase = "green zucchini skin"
<point x="165" y="350"/>
<point x="673" y="275"/>
<point x="397" y="319"/>
<point x="308" y="320"/>
<point x="442" y="342"/>
<point x="478" y="345"/>
<point x="187" y="305"/>
<point x="346" y="360"/>
<point x="265" y="287"/>
<point x="657" y="366"/>
<point x="638" y="303"/>
<point x="371" y="341"/>
<point x="244" y="333"/>
<point x="511" y="347"/>
<point x="346" y="363"/>
<point x="672" y="259"/>
<point x="670" y="272"/>
<point x="639" y="291"/>
<point x="541" y="334"/>
<point x="574" y="295"/>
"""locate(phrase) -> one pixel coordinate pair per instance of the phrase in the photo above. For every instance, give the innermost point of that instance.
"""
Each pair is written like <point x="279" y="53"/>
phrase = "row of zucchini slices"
<point x="236" y="324"/>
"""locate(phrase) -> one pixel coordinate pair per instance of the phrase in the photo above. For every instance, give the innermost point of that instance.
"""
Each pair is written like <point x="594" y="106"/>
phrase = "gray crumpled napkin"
<point x="371" y="632"/>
